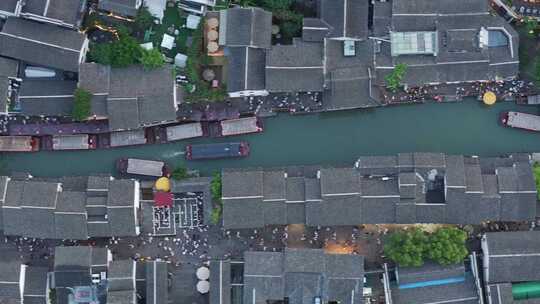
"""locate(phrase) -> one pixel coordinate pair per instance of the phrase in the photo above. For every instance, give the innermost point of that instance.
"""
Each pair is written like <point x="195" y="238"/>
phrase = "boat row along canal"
<point x="338" y="138"/>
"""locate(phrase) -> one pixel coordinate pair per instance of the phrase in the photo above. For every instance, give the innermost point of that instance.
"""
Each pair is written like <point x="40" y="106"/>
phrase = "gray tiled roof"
<point x="9" y="67"/>
<point x="247" y="27"/>
<point x="8" y="6"/>
<point x="511" y="256"/>
<point x="246" y="69"/>
<point x="95" y="78"/>
<point x="301" y="274"/>
<point x="140" y="98"/>
<point x="314" y="29"/>
<point x="439" y="7"/>
<point x="385" y="189"/>
<point x="121" y="275"/>
<point x="458" y="292"/>
<point x="349" y="88"/>
<point x="63" y="12"/>
<point x="220" y="278"/>
<point x="35" y="285"/>
<point x="130" y="97"/>
<point x="122" y="7"/>
<point x="42" y="44"/>
<point x="156" y="282"/>
<point x="41" y="209"/>
<point x="243" y="213"/>
<point x="47" y="97"/>
<point x="296" y="191"/>
<point x="241" y="184"/>
<point x="274" y="185"/>
<point x="295" y="68"/>
<point x="9" y="282"/>
<point x="72" y="257"/>
<point x="345" y="18"/>
<point x="339" y="181"/>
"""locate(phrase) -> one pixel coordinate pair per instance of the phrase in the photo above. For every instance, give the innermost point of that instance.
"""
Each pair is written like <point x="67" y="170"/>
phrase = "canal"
<point x="329" y="139"/>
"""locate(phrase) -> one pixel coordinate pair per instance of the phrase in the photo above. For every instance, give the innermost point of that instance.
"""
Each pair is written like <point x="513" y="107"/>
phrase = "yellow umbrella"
<point x="490" y="98"/>
<point x="163" y="184"/>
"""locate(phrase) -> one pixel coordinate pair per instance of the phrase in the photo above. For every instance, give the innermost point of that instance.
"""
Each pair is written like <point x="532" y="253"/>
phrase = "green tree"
<point x="273" y="5"/>
<point x="151" y="59"/>
<point x="179" y="173"/>
<point x="291" y="29"/>
<point x="144" y="19"/>
<point x="122" y="52"/>
<point x="393" y="80"/>
<point x="447" y="246"/>
<point x="100" y="53"/>
<point x="537" y="69"/>
<point x="81" y="105"/>
<point x="245" y="3"/>
<point x="406" y="248"/>
<point x="125" y="51"/>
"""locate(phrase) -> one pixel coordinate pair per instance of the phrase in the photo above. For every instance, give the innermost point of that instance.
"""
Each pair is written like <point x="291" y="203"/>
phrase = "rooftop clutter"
<point x="451" y="42"/>
<point x="84" y="274"/>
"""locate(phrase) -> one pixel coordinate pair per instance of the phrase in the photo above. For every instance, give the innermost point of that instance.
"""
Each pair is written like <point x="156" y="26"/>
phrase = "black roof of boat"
<point x="216" y="150"/>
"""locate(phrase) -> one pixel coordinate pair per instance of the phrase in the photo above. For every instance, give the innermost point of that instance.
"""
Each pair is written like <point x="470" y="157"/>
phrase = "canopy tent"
<point x="203" y="273"/>
<point x="163" y="199"/>
<point x="203" y="287"/>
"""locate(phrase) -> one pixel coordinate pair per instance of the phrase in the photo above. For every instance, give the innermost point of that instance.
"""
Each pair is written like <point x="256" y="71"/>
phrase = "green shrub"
<point x="393" y="80"/>
<point x="216" y="213"/>
<point x="144" y="19"/>
<point x="81" y="105"/>
<point x="536" y="171"/>
<point x="215" y="187"/>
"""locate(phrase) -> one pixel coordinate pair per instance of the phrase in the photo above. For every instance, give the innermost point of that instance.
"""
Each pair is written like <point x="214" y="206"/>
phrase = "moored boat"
<point x="220" y="150"/>
<point x="240" y="126"/>
<point x="19" y="144"/>
<point x="525" y="121"/>
<point x="144" y="167"/>
<point x="69" y="142"/>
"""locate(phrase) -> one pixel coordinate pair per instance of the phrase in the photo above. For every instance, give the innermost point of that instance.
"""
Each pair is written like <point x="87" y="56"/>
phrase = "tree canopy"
<point x="151" y="59"/>
<point x="407" y="248"/>
<point x="81" y="105"/>
<point x="447" y="246"/>
<point x="120" y="53"/>
<point x="144" y="19"/>
<point x="410" y="248"/>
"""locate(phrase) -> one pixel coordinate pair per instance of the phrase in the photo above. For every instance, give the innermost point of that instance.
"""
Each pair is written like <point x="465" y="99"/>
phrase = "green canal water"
<point x="327" y="139"/>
